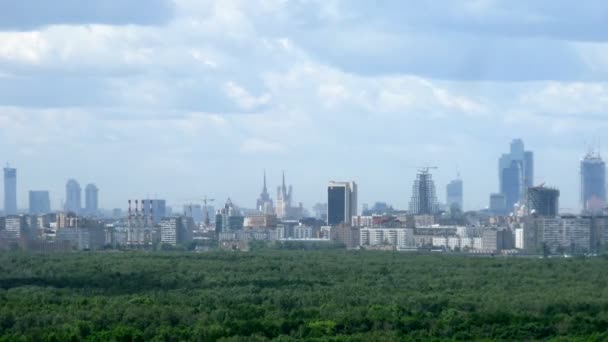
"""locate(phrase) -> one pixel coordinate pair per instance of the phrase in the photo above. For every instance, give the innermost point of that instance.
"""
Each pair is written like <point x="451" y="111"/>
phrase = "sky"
<point x="179" y="99"/>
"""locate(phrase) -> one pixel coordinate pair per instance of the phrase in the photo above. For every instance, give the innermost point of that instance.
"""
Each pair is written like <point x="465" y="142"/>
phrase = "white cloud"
<point x="259" y="146"/>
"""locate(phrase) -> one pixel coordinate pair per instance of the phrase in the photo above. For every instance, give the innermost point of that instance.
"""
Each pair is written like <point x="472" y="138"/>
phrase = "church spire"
<point x="264" y="189"/>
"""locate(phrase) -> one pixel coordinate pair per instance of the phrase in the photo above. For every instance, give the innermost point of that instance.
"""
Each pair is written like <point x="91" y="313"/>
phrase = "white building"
<point x="371" y="237"/>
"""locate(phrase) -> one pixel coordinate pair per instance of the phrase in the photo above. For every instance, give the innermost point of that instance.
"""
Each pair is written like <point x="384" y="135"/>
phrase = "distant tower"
<point x="542" y="201"/>
<point x="515" y="173"/>
<point x="424" y="200"/>
<point x="283" y="199"/>
<point x="10" y="191"/>
<point x="264" y="203"/>
<point x="593" y="182"/>
<point x="454" y="193"/>
<point x="341" y="202"/>
<point x="91" y="199"/>
<point x="39" y="202"/>
<point x="72" y="197"/>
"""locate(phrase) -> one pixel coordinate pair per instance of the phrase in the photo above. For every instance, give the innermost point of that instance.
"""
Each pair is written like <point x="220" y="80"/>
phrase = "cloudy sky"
<point x="181" y="98"/>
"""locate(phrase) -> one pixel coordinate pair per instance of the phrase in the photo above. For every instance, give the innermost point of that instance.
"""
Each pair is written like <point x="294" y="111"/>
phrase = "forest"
<point x="288" y="295"/>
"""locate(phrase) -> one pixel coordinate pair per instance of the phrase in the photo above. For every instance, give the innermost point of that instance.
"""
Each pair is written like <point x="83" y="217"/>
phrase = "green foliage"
<point x="318" y="295"/>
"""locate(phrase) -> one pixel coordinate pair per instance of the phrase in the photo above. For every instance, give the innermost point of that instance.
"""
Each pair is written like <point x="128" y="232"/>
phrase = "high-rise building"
<point x="542" y="201"/>
<point x="91" y="199"/>
<point x="454" y="194"/>
<point x="10" y="191"/>
<point x="593" y="182"/>
<point x="264" y="202"/>
<point x="515" y="173"/>
<point x="498" y="204"/>
<point x="73" y="197"/>
<point x="341" y="202"/>
<point x="284" y="197"/>
<point x="39" y="202"/>
<point x="424" y="199"/>
<point x="229" y="218"/>
<point x="176" y="230"/>
<point x="159" y="210"/>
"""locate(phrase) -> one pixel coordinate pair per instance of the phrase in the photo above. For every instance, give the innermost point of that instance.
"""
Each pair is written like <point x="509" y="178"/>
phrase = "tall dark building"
<point x="10" y="191"/>
<point x="542" y="201"/>
<point x="91" y="199"/>
<point x="39" y="202"/>
<point x="593" y="182"/>
<point x="454" y="194"/>
<point x="424" y="199"/>
<point x="341" y="202"/>
<point x="515" y="173"/>
<point x="73" y="194"/>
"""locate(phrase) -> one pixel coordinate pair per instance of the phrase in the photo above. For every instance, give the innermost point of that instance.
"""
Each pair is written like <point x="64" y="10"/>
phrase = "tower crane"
<point x="204" y="200"/>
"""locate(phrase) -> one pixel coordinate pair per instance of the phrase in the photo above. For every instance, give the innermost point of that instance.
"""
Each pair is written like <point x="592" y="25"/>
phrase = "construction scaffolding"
<point x="424" y="199"/>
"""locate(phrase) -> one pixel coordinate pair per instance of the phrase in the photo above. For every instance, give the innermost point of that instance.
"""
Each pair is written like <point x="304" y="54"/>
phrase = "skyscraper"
<point x="91" y="199"/>
<point x="515" y="173"/>
<point x="39" y="202"/>
<point x="10" y="191"/>
<point x="593" y="182"/>
<point x="341" y="202"/>
<point x="424" y="199"/>
<point x="283" y="200"/>
<point x="264" y="202"/>
<point x="454" y="193"/>
<point x="542" y="201"/>
<point x="72" y="197"/>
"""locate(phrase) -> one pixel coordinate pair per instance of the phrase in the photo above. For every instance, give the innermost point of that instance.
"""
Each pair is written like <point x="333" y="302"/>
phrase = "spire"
<point x="283" y="180"/>
<point x="264" y="189"/>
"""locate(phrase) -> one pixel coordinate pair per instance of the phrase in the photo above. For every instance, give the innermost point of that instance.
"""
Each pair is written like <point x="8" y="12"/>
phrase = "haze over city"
<point x="199" y="97"/>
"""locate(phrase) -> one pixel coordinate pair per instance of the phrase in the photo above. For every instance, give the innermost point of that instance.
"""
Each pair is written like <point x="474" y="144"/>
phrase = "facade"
<point x="264" y="202"/>
<point x="424" y="199"/>
<point x="542" y="201"/>
<point x="15" y="226"/>
<point x="73" y="201"/>
<point x="39" y="202"/>
<point x="341" y="202"/>
<point x="393" y="237"/>
<point x="570" y="234"/>
<point x="82" y="238"/>
<point x="10" y="191"/>
<point x="91" y="199"/>
<point x="176" y="230"/>
<point x="498" y="204"/>
<point x="454" y="194"/>
<point x="260" y="220"/>
<point x="593" y="183"/>
<point x="515" y="173"/>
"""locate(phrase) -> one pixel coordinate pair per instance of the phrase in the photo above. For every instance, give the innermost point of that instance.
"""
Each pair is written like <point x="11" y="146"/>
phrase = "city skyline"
<point x="188" y="97"/>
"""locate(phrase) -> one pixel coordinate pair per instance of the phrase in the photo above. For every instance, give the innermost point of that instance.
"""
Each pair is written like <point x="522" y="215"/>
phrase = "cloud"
<point x="258" y="146"/>
<point x="33" y="14"/>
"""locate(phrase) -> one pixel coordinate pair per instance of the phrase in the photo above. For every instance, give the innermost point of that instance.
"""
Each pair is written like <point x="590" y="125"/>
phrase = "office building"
<point x="176" y="230"/>
<point x="593" y="183"/>
<point x="542" y="201"/>
<point x="159" y="210"/>
<point x="73" y="197"/>
<point x="454" y="195"/>
<point x="498" y="204"/>
<point x="341" y="202"/>
<point x="229" y="218"/>
<point x="565" y="234"/>
<point x="10" y="191"/>
<point x="515" y="173"/>
<point x="91" y="199"/>
<point x="39" y="202"/>
<point x="15" y="226"/>
<point x="424" y="199"/>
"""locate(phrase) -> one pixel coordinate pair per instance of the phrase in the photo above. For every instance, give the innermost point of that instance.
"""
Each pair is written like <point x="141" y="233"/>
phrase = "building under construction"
<point x="542" y="201"/>
<point x="424" y="199"/>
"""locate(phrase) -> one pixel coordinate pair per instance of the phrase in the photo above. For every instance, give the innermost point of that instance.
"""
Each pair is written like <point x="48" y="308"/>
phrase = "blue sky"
<point x="181" y="98"/>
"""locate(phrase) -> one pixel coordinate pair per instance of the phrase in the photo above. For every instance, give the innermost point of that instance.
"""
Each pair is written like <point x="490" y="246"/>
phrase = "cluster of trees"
<point x="289" y="295"/>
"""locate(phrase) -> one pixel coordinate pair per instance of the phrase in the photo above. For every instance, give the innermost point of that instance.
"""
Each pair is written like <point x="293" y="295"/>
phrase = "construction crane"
<point x="204" y="200"/>
<point x="424" y="169"/>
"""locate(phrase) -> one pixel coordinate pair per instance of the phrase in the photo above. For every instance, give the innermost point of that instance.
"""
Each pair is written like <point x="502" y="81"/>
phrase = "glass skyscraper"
<point x="593" y="182"/>
<point x="515" y="173"/>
